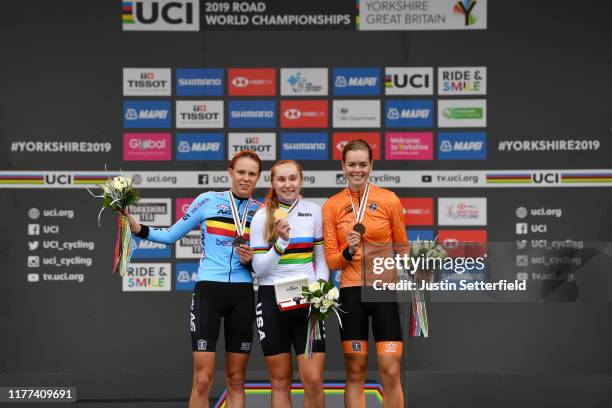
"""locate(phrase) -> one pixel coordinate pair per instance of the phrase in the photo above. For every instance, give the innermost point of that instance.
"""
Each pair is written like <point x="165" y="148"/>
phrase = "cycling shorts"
<point x="235" y="303"/>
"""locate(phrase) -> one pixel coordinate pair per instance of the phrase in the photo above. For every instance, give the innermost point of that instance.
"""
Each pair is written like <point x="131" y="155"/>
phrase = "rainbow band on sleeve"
<point x="298" y="251"/>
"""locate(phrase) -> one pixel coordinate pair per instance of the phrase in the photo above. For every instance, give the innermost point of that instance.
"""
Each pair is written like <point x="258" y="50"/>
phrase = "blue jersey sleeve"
<point x="192" y="218"/>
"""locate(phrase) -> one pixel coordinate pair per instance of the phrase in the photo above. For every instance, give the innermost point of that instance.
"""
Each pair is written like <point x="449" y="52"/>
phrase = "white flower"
<point x="416" y="247"/>
<point x="313" y="286"/>
<point x="315" y="300"/>
<point x="327" y="303"/>
<point x="322" y="285"/>
<point x="323" y="309"/>
<point x="334" y="293"/>
<point x="316" y="305"/>
<point x="119" y="183"/>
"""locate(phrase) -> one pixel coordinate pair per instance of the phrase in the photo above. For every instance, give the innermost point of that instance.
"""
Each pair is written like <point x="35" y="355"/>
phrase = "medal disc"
<point x="280" y="214"/>
<point x="239" y="240"/>
<point x="359" y="228"/>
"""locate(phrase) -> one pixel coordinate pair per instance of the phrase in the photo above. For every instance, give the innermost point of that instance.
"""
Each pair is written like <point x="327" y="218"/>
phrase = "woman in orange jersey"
<point x="360" y="223"/>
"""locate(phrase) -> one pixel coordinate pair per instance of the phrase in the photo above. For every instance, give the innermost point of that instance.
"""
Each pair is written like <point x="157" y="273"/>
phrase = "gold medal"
<point x="280" y="214"/>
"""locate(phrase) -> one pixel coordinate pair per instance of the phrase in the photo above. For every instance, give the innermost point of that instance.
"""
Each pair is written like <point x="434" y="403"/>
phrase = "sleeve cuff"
<point x="347" y="254"/>
<point x="281" y="244"/>
<point x="144" y="232"/>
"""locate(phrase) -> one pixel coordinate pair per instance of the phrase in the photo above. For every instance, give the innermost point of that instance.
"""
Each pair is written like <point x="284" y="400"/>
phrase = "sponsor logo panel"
<point x="160" y="15"/>
<point x="415" y="234"/>
<point x="408" y="81"/>
<point x="462" y="146"/>
<point x="152" y="211"/>
<point x="264" y="144"/>
<point x="303" y="81"/>
<point x="356" y="113"/>
<point x="251" y="81"/>
<point x="147" y="146"/>
<point x="146" y="114"/>
<point x="199" y="82"/>
<point x="145" y="249"/>
<point x="189" y="246"/>
<point x="462" y="81"/>
<point x="181" y="207"/>
<point x="304" y="114"/>
<point x="462" y="211"/>
<point x="148" y="277"/>
<point x="304" y="146"/>
<point x="409" y="113"/>
<point x="462" y="113"/>
<point x="199" y="114"/>
<point x="252" y="114"/>
<point x="340" y="139"/>
<point x="186" y="276"/>
<point x="200" y="146"/>
<point x="409" y="146"/>
<point x="418" y="210"/>
<point x="147" y="82"/>
<point x="464" y="243"/>
<point x="356" y="81"/>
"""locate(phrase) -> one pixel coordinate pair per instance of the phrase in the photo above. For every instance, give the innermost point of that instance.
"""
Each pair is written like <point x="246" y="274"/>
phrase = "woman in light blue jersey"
<point x="224" y="286"/>
<point x="287" y="237"/>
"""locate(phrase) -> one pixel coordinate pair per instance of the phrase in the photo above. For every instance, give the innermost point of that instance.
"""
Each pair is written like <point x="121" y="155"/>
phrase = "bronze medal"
<point x="359" y="228"/>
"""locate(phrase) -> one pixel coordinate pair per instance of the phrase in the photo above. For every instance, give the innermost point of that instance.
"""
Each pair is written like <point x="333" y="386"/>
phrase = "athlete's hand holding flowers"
<point x="117" y="194"/>
<point x="323" y="298"/>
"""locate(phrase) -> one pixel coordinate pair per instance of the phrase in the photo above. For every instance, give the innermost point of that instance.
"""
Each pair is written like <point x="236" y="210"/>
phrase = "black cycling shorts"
<point x="279" y="330"/>
<point x="211" y="301"/>
<point x="386" y="323"/>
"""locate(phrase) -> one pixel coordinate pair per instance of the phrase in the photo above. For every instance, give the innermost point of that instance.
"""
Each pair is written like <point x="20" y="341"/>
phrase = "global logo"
<point x="465" y="8"/>
<point x="147" y="144"/>
<point x="293" y="114"/>
<point x="240" y="82"/>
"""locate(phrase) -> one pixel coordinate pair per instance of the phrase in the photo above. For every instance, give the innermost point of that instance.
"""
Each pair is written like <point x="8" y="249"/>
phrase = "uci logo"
<point x="63" y="179"/>
<point x="161" y="15"/>
<point x="545" y="178"/>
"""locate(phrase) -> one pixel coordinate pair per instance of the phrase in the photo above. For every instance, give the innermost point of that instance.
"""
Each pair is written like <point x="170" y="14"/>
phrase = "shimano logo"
<point x="199" y="82"/>
<point x="252" y="114"/>
<point x="303" y="146"/>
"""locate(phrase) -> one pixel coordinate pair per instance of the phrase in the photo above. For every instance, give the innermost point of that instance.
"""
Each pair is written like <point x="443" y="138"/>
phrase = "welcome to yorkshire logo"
<point x="466" y="7"/>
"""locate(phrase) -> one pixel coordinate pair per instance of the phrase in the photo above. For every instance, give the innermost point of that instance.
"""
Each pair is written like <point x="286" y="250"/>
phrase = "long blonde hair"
<point x="270" y="234"/>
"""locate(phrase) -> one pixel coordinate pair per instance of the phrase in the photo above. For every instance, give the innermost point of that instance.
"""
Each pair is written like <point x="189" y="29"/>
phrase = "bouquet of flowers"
<point x="118" y="194"/>
<point x="433" y="256"/>
<point x="323" y="299"/>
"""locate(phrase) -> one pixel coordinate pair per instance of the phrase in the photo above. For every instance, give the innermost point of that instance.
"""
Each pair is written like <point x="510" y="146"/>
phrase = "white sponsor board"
<point x="454" y="113"/>
<point x="147" y="82"/>
<point x="303" y="81"/>
<point x="393" y="15"/>
<point x="190" y="245"/>
<point x="153" y="211"/>
<point x="408" y="81"/>
<point x="161" y="15"/>
<point x="199" y="114"/>
<point x="462" y="81"/>
<point x="462" y="211"/>
<point x="262" y="143"/>
<point x="148" y="277"/>
<point x="356" y="113"/>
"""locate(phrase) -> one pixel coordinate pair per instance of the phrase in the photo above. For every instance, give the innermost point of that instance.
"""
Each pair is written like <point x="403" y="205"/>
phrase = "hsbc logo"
<point x="340" y="145"/>
<point x="293" y="114"/>
<point x="240" y="82"/>
<point x="161" y="15"/>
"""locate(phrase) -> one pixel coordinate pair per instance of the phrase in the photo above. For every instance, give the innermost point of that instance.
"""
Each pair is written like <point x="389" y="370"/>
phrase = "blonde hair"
<point x="270" y="234"/>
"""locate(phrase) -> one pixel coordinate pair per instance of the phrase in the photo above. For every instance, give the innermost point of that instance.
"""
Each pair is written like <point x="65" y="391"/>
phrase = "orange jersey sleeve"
<point x="385" y="232"/>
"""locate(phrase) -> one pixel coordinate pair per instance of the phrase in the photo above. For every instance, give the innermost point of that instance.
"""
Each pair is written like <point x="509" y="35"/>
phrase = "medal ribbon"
<point x="240" y="224"/>
<point x="295" y="203"/>
<point x="362" y="205"/>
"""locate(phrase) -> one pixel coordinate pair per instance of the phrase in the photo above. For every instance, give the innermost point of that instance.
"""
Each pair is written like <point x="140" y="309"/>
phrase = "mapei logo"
<point x="409" y="113"/>
<point x="252" y="114"/>
<point x="304" y="114"/>
<point x="356" y="81"/>
<point x="161" y="15"/>
<point x="409" y="81"/>
<point x="465" y="8"/>
<point x="146" y="114"/>
<point x="462" y="146"/>
<point x="186" y="277"/>
<point x="199" y="146"/>
<point x="146" y="82"/>
<point x="251" y="81"/>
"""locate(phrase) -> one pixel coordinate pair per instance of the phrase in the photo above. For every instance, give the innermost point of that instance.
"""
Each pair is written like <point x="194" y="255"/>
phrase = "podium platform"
<point x="259" y="395"/>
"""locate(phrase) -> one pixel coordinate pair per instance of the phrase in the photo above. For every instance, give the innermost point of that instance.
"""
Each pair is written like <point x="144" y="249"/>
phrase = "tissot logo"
<point x="262" y="143"/>
<point x="161" y="15"/>
<point x="146" y="82"/>
<point x="199" y="114"/>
